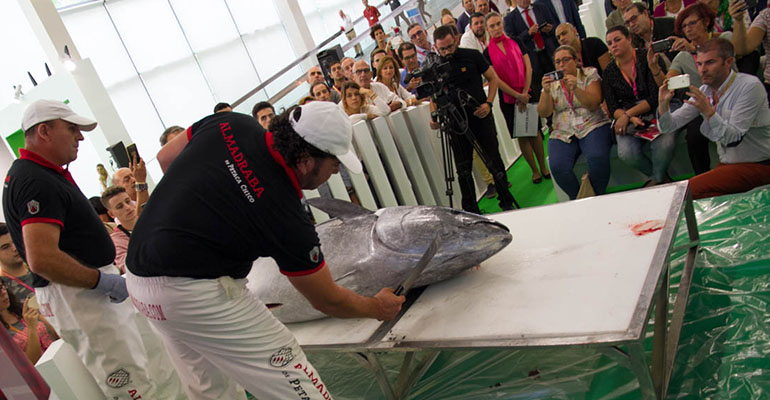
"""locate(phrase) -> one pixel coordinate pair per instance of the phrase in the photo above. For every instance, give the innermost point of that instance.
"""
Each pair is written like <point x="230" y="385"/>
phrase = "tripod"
<point x="453" y="120"/>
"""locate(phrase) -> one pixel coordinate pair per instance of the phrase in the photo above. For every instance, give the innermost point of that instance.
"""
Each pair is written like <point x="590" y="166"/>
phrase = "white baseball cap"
<point x="324" y="125"/>
<point x="49" y="110"/>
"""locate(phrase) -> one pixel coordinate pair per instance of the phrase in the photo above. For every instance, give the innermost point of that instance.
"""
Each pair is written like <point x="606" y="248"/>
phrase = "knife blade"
<point x="424" y="261"/>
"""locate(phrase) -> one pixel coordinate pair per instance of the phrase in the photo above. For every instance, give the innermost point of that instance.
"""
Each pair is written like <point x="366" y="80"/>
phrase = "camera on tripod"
<point x="434" y="72"/>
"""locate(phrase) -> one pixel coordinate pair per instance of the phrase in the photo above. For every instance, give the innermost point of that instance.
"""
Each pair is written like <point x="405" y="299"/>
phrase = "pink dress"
<point x="20" y="335"/>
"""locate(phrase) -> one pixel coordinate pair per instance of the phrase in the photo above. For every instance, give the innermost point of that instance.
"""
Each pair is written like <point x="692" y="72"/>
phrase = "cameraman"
<point x="466" y="68"/>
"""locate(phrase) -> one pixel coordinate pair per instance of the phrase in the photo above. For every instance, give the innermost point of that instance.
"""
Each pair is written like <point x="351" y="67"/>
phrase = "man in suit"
<point x="566" y="11"/>
<point x="465" y="18"/>
<point x="533" y="24"/>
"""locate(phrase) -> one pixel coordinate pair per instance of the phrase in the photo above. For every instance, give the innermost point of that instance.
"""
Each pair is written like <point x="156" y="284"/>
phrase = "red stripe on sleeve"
<point x="42" y="220"/>
<point x="306" y="272"/>
<point x="279" y="159"/>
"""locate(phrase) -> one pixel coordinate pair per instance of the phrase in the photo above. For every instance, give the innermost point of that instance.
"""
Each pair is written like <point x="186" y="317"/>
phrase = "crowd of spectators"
<point x="590" y="94"/>
<point x="613" y="92"/>
<point x="608" y="95"/>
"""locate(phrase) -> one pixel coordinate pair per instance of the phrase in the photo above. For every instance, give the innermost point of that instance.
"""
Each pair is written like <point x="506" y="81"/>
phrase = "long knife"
<point x="424" y="261"/>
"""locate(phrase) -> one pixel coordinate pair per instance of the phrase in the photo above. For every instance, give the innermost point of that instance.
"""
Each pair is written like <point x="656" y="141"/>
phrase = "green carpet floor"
<point x="526" y="193"/>
<point x="529" y="194"/>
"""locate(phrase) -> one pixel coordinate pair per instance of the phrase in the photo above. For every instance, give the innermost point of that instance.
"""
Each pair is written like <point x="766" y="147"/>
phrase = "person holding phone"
<point x="758" y="34"/>
<point x="735" y="116"/>
<point x="580" y="126"/>
<point x="696" y="24"/>
<point x="533" y="24"/>
<point x="630" y="90"/>
<point x="18" y="320"/>
<point x="134" y="180"/>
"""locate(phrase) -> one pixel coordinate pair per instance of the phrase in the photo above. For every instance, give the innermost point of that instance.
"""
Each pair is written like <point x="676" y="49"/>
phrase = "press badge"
<point x="576" y="119"/>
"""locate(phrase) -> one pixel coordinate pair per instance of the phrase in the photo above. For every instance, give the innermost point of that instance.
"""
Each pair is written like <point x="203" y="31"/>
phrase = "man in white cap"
<point x="232" y="193"/>
<point x="59" y="235"/>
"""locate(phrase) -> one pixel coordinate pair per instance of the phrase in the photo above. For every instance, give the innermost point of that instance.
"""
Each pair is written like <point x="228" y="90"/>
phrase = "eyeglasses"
<point x="563" y="60"/>
<point x="418" y="33"/>
<point x="690" y="24"/>
<point x="362" y="71"/>
<point x="445" y="49"/>
<point x="632" y="20"/>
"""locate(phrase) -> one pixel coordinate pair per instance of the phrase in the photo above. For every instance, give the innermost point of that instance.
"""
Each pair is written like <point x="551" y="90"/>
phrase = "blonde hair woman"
<point x="387" y="74"/>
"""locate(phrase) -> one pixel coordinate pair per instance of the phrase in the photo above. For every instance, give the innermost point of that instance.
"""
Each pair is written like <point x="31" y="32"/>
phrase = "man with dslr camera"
<point x="466" y="69"/>
<point x="735" y="115"/>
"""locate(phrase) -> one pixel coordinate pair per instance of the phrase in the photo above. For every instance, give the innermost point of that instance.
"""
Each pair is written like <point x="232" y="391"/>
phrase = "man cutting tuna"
<point x="232" y="194"/>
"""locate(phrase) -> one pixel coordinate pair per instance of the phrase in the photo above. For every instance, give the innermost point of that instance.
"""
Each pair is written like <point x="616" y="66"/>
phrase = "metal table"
<point x="583" y="273"/>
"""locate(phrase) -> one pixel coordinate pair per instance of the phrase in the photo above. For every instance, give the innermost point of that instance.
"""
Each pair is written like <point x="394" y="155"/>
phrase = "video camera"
<point x="434" y="72"/>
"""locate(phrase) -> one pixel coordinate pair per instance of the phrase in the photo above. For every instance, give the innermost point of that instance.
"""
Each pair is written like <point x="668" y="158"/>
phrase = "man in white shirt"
<point x="419" y="38"/>
<point x="362" y="75"/>
<point x="475" y="37"/>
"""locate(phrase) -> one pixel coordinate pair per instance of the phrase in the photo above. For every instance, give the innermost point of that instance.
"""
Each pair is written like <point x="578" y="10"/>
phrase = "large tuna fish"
<point x="366" y="251"/>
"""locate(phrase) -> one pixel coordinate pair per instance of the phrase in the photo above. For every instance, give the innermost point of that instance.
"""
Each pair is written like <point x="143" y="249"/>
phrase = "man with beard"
<point x="475" y="37"/>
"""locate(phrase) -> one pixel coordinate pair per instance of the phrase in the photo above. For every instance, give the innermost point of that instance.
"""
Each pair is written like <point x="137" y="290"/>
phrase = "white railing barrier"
<point x="402" y="135"/>
<point x="392" y="161"/>
<point x="367" y="151"/>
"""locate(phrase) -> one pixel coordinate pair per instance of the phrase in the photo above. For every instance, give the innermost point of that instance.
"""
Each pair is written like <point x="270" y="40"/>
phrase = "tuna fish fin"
<point x="338" y="208"/>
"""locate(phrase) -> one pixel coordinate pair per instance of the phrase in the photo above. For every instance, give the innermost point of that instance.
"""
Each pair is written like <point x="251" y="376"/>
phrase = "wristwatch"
<point x="140" y="186"/>
<point x="490" y="104"/>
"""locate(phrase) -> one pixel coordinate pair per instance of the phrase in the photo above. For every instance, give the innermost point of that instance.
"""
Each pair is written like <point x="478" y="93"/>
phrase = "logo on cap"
<point x="315" y="254"/>
<point x="33" y="207"/>
<point x="282" y="357"/>
<point x="118" y="379"/>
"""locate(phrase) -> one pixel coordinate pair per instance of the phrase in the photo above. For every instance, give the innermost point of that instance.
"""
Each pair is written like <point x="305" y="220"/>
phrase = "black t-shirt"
<point x="37" y="191"/>
<point x="227" y="199"/>
<point x="591" y="49"/>
<point x="467" y="67"/>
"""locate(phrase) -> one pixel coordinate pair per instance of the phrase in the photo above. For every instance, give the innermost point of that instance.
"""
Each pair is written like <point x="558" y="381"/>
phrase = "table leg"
<point x="680" y="304"/>
<point x="407" y="377"/>
<point x="659" y="334"/>
<point x="370" y="361"/>
<point x="641" y="370"/>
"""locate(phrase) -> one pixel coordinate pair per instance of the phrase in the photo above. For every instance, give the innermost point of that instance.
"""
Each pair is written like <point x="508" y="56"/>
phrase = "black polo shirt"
<point x="467" y="67"/>
<point x="591" y="49"/>
<point x="227" y="199"/>
<point x="37" y="191"/>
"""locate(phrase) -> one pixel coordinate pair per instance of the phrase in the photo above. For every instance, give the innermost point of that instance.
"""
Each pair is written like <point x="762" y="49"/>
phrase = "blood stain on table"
<point x="646" y="227"/>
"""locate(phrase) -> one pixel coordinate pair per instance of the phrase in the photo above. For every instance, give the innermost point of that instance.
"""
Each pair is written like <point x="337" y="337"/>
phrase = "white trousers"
<point x="219" y="334"/>
<point x="116" y="344"/>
